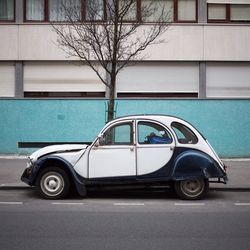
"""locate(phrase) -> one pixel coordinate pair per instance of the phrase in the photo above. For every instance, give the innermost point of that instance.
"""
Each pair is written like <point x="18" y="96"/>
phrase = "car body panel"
<point x="194" y="163"/>
<point x="57" y="149"/>
<point x="110" y="161"/>
<point x="136" y="161"/>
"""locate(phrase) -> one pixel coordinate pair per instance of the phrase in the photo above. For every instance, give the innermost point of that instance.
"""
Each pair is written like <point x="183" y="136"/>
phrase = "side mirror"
<point x="100" y="141"/>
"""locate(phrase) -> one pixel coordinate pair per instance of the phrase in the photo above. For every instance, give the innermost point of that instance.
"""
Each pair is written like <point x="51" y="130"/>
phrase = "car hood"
<point x="57" y="149"/>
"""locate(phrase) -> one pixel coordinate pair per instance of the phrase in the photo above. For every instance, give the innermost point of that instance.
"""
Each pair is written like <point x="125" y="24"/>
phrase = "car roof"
<point x="161" y="118"/>
<point x="164" y="119"/>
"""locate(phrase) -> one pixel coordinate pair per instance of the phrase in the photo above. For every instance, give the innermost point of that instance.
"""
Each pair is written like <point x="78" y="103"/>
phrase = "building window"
<point x="86" y="10"/>
<point x="157" y="7"/>
<point x="228" y="80"/>
<point x="94" y="10"/>
<point x="217" y="12"/>
<point x="240" y="12"/>
<point x="28" y="94"/>
<point x="35" y="10"/>
<point x="7" y="10"/>
<point x="186" y="10"/>
<point x="229" y="12"/>
<point x="61" y="79"/>
<point x="131" y="13"/>
<point x="159" y="80"/>
<point x="63" y="10"/>
<point x="176" y="10"/>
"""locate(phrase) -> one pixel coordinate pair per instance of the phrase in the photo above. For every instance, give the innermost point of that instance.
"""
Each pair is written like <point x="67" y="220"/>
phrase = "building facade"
<point x="206" y="60"/>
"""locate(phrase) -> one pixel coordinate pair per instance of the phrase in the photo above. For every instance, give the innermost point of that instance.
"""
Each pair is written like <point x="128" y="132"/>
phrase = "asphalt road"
<point x="124" y="220"/>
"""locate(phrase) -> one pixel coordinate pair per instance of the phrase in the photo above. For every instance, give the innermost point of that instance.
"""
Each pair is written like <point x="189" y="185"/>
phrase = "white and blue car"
<point x="133" y="150"/>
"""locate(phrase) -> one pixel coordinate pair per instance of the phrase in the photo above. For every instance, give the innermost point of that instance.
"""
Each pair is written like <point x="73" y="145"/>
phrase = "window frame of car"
<point x="158" y="124"/>
<point x="101" y="138"/>
<point x="194" y="138"/>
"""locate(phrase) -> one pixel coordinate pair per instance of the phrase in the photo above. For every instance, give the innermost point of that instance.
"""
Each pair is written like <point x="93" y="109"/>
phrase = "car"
<point x="144" y="150"/>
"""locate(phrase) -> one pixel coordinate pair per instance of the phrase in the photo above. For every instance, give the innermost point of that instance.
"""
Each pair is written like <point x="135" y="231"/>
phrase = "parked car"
<point x="133" y="150"/>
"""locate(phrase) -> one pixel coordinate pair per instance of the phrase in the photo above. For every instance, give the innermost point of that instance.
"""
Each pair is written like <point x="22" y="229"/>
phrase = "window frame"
<point x="144" y="123"/>
<point x="34" y="21"/>
<point x="14" y="15"/>
<point x="176" y="18"/>
<point x="194" y="138"/>
<point x="175" y="13"/>
<point x="132" y="139"/>
<point x="228" y="15"/>
<point x="84" y="13"/>
<point x="46" y="13"/>
<point x="66" y="94"/>
<point x="84" y="10"/>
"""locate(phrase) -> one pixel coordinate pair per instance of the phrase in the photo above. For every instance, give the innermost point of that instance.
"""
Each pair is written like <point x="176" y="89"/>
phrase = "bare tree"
<point x="113" y="34"/>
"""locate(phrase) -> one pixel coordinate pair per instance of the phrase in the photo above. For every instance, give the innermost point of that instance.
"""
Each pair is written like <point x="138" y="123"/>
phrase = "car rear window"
<point x="184" y="134"/>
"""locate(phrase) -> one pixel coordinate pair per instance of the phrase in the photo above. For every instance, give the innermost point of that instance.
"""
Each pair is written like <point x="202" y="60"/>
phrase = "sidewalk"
<point x="12" y="167"/>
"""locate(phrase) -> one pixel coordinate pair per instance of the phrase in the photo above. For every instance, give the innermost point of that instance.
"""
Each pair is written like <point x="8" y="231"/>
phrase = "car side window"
<point x="152" y="133"/>
<point x="119" y="135"/>
<point x="184" y="134"/>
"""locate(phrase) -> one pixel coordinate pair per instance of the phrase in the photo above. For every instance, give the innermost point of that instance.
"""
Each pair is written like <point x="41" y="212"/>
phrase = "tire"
<point x="53" y="183"/>
<point x="192" y="189"/>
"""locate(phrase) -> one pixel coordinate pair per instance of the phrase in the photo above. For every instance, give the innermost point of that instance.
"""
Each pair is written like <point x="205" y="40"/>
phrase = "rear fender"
<point x="195" y="164"/>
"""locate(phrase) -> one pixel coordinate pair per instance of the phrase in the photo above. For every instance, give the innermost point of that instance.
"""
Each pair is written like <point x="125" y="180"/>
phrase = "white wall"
<point x="9" y="42"/>
<point x="185" y="42"/>
<point x="7" y="80"/>
<point x="227" y="43"/>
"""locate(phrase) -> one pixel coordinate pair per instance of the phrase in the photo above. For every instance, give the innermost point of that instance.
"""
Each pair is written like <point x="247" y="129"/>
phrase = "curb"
<point x="230" y="189"/>
<point x="15" y="188"/>
<point x="13" y="157"/>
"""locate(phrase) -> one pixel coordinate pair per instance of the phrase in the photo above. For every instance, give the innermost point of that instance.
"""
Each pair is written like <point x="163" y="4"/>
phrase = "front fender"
<point x="53" y="160"/>
<point x="195" y="164"/>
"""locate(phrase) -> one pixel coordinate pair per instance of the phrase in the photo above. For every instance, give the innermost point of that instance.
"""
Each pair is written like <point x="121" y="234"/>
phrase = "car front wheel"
<point x="53" y="183"/>
<point x="191" y="189"/>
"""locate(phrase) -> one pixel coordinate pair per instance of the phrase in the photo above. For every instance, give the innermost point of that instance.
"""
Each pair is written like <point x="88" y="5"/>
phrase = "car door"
<point x="115" y="154"/>
<point x="155" y="146"/>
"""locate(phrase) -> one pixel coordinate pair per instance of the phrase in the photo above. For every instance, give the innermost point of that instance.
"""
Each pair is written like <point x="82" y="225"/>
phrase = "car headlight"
<point x="29" y="163"/>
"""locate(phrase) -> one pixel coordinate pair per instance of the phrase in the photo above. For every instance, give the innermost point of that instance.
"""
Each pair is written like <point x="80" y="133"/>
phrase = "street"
<point x="124" y="220"/>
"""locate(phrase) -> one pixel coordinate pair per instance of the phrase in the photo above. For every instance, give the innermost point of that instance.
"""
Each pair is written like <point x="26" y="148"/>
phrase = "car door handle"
<point x="172" y="148"/>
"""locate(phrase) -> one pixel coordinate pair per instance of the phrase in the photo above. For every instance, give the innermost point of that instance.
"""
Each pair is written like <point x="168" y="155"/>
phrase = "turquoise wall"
<point x="226" y="123"/>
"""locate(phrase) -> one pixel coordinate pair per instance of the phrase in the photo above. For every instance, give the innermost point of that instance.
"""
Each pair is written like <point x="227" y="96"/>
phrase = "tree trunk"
<point x="111" y="104"/>
<point x="112" y="89"/>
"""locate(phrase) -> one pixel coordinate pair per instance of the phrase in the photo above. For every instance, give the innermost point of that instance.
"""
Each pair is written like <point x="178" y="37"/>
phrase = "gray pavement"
<point x="12" y="167"/>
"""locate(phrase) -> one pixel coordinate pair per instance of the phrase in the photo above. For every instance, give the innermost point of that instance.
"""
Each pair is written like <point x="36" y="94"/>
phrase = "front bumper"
<point x="27" y="176"/>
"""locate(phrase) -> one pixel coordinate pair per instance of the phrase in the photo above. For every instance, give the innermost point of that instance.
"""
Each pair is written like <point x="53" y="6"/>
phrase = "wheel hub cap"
<point x="192" y="188"/>
<point x="52" y="184"/>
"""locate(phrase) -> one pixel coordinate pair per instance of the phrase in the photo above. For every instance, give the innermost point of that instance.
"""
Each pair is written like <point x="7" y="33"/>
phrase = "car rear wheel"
<point x="191" y="189"/>
<point x="53" y="183"/>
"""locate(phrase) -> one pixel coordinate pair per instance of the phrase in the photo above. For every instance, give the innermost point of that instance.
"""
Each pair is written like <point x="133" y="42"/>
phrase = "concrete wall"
<point x="186" y="42"/>
<point x="225" y="123"/>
